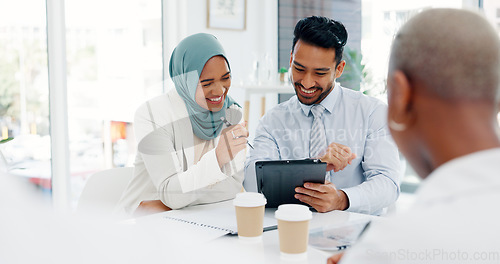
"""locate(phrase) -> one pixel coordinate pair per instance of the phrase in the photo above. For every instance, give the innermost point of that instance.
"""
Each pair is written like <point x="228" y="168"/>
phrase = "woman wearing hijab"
<point x="186" y="154"/>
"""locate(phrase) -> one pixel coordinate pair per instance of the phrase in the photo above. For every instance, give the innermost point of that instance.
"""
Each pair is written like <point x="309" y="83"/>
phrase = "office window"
<point x="381" y="20"/>
<point x="114" y="63"/>
<point x="24" y="101"/>
<point x="491" y="9"/>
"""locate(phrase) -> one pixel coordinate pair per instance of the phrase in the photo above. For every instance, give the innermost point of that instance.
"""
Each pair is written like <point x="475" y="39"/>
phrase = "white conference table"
<point x="231" y="249"/>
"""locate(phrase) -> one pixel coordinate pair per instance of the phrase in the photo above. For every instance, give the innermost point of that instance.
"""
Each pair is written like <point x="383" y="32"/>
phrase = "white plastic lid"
<point x="249" y="199"/>
<point x="293" y="212"/>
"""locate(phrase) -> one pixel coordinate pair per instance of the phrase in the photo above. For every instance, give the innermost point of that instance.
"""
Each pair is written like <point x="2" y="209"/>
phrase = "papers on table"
<point x="337" y="237"/>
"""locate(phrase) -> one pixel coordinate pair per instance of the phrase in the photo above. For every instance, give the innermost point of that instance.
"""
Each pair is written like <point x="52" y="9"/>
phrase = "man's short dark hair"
<point x="323" y="32"/>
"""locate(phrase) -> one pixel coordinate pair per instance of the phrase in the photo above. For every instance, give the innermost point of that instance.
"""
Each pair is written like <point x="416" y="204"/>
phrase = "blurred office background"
<point x="116" y="57"/>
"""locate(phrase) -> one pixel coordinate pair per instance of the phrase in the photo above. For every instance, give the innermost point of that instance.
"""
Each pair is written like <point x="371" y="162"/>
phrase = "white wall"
<point x="187" y="17"/>
<point x="260" y="36"/>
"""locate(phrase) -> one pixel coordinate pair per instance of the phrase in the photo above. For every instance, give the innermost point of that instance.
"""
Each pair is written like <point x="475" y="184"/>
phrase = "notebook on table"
<point x="221" y="219"/>
<point x="198" y="224"/>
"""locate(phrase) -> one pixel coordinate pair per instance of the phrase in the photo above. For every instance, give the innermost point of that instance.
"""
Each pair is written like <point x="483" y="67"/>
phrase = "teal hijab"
<point x="186" y="63"/>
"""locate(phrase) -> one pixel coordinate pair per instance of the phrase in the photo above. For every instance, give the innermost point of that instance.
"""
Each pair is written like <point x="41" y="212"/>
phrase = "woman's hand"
<point x="150" y="207"/>
<point x="232" y="140"/>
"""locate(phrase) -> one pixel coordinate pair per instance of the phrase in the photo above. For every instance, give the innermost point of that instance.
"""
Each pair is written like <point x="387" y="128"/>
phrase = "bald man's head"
<point x="453" y="54"/>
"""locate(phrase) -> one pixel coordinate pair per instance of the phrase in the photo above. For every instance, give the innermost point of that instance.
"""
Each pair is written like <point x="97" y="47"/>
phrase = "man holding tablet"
<point x="342" y="127"/>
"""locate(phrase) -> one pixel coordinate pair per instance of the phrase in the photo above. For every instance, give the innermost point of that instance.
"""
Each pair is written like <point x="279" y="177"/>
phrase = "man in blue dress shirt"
<point x="350" y="131"/>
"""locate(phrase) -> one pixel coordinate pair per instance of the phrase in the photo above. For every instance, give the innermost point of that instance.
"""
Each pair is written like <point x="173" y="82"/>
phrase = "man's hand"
<point x="335" y="258"/>
<point x="323" y="197"/>
<point x="337" y="157"/>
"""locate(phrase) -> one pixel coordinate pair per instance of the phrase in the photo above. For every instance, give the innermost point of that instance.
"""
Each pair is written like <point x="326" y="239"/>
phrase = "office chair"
<point x="103" y="190"/>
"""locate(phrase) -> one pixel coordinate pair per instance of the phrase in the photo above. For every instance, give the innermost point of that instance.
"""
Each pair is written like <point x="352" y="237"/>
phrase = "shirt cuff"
<point x="234" y="166"/>
<point x="207" y="172"/>
<point x="354" y="199"/>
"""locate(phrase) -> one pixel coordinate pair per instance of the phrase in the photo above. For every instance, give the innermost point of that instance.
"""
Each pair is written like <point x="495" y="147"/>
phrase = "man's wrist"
<point x="344" y="200"/>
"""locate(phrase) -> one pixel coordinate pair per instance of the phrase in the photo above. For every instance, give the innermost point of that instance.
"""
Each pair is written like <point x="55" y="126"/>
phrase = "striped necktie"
<point x="317" y="144"/>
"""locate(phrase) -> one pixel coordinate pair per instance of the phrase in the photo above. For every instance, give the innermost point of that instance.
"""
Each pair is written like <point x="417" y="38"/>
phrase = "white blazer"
<point x="165" y="168"/>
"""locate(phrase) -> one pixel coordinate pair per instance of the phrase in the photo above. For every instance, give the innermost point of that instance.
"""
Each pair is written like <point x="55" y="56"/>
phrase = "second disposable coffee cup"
<point x="293" y="229"/>
<point x="250" y="208"/>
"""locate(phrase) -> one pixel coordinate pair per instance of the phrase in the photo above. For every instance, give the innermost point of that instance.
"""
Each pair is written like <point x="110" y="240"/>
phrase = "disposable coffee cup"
<point x="293" y="229"/>
<point x="250" y="215"/>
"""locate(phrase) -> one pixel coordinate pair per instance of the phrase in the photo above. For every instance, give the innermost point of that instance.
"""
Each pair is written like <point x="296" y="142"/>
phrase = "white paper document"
<point x="337" y="237"/>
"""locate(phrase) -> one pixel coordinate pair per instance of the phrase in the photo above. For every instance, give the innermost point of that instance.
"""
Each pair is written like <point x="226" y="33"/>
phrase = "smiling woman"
<point x="181" y="158"/>
<point x="215" y="80"/>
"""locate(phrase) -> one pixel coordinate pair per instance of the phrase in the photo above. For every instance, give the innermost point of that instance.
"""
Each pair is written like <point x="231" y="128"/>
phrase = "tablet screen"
<point x="277" y="179"/>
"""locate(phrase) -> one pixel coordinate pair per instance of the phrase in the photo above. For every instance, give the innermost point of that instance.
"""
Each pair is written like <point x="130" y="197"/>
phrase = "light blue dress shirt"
<point x="352" y="119"/>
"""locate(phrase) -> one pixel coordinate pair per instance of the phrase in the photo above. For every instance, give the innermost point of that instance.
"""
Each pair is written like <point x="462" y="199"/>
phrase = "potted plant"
<point x="6" y="140"/>
<point x="282" y="73"/>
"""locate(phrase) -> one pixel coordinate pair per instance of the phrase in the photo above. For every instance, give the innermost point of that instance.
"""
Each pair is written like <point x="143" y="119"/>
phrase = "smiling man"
<point x="340" y="126"/>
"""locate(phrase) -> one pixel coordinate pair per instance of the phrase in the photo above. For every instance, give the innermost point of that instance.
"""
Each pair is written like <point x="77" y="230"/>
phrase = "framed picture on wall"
<point x="227" y="14"/>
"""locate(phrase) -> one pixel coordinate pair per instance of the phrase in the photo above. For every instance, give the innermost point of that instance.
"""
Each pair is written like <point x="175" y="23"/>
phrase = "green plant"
<point x="359" y="77"/>
<point x="6" y="140"/>
<point x="354" y="71"/>
<point x="283" y="70"/>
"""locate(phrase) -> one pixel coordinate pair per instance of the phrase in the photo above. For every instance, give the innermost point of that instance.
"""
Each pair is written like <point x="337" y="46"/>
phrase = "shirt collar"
<point x="328" y="103"/>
